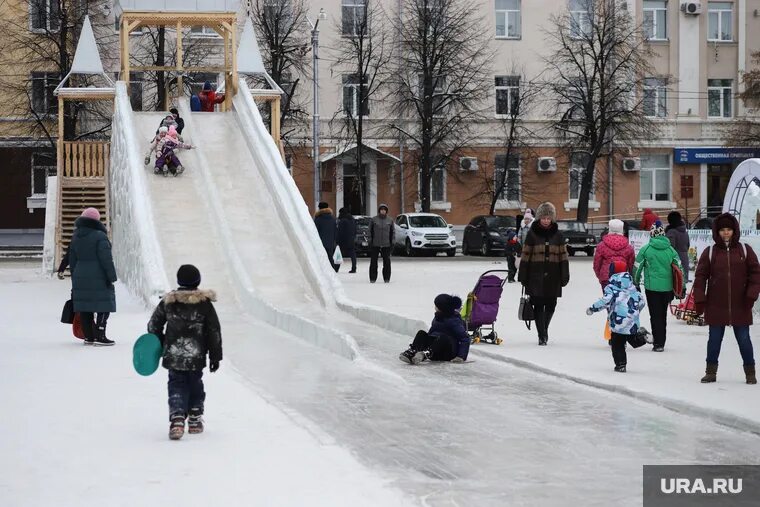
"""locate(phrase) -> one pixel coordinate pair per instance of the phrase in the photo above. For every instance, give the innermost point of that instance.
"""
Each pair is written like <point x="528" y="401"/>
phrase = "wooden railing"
<point x="85" y="159"/>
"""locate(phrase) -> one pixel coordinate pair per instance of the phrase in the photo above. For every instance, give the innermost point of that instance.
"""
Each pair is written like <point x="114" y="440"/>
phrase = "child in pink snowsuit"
<point x="167" y="157"/>
<point x="614" y="246"/>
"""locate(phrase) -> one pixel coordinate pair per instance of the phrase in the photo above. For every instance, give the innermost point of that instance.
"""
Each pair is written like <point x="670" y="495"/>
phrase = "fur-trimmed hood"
<point x="190" y="297"/>
<point x="323" y="211"/>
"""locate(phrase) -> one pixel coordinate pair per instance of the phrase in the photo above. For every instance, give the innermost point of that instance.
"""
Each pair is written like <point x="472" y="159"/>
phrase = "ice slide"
<point x="238" y="216"/>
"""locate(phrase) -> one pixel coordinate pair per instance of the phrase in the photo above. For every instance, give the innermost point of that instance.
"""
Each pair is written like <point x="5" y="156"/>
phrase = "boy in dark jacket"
<point x="192" y="331"/>
<point x="447" y="339"/>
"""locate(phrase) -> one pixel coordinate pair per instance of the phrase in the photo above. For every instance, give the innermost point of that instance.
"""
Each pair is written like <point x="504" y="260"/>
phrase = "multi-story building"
<point x="701" y="51"/>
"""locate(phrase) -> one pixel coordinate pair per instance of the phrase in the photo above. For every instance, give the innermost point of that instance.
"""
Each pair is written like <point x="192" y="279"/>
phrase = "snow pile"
<point x="83" y="429"/>
<point x="577" y="350"/>
<point x="136" y="250"/>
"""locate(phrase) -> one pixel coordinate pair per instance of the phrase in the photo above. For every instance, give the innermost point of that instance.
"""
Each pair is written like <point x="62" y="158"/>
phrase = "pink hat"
<point x="173" y="131"/>
<point x="91" y="213"/>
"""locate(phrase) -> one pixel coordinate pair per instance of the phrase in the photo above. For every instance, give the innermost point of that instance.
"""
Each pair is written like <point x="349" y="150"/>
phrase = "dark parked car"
<point x="703" y="223"/>
<point x="487" y="234"/>
<point x="577" y="238"/>
<point x="362" y="235"/>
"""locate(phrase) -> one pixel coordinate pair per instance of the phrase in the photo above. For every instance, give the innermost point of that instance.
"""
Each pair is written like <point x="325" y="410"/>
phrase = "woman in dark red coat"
<point x="726" y="287"/>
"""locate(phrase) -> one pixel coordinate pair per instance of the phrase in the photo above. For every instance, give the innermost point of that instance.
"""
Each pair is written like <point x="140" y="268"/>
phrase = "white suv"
<point x="424" y="232"/>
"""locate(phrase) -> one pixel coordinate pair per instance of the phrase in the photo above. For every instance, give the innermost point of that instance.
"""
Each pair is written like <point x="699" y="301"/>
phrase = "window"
<point x="719" y="98"/>
<point x="203" y="31"/>
<point x="577" y="170"/>
<point x="654" y="178"/>
<point x="43" y="165"/>
<point x="720" y="21"/>
<point x="581" y="14"/>
<point x="438" y="184"/>
<point x="43" y="85"/>
<point x="401" y="220"/>
<point x="439" y="98"/>
<point x="355" y="96"/>
<point x="508" y="168"/>
<point x="656" y="19"/>
<point x="353" y="17"/>
<point x="427" y="222"/>
<point x="508" y="22"/>
<point x="44" y="15"/>
<point x="507" y="95"/>
<point x="655" y="97"/>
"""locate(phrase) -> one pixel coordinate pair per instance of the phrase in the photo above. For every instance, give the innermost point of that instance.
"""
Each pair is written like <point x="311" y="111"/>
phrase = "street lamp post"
<point x="315" y="104"/>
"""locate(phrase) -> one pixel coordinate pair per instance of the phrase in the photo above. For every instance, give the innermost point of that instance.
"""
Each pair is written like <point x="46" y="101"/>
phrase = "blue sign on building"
<point x="713" y="155"/>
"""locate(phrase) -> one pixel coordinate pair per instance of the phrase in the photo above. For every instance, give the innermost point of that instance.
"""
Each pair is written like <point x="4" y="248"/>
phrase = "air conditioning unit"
<point x="691" y="8"/>
<point x="631" y="164"/>
<point x="468" y="164"/>
<point x="547" y="164"/>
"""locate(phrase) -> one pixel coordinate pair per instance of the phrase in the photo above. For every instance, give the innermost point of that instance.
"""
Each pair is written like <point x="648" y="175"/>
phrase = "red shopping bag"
<point x="77" y="327"/>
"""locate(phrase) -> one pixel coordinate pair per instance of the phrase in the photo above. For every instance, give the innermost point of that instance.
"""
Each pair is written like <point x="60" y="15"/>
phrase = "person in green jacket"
<point x="655" y="260"/>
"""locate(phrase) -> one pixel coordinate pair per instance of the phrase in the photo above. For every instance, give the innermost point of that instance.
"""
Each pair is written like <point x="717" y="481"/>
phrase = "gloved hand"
<point x="147" y="160"/>
<point x="589" y="311"/>
<point x="213" y="366"/>
<point x="60" y="275"/>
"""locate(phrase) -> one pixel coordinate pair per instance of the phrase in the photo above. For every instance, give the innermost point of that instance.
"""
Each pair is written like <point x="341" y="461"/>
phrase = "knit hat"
<point x="174" y="111"/>
<point x="207" y="85"/>
<point x="657" y="229"/>
<point x="618" y="266"/>
<point x="528" y="214"/>
<point x="546" y="209"/>
<point x="91" y="213"/>
<point x="188" y="276"/>
<point x="173" y="131"/>
<point x="382" y="206"/>
<point x="725" y="221"/>
<point x="447" y="304"/>
<point x="616" y="226"/>
<point x="163" y="129"/>
<point x="323" y="205"/>
<point x="674" y="219"/>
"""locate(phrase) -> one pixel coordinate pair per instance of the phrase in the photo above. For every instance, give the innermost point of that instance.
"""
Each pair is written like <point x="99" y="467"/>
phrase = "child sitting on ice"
<point x="192" y="331"/>
<point x="157" y="144"/>
<point x="447" y="339"/>
<point x="623" y="303"/>
<point x="167" y="161"/>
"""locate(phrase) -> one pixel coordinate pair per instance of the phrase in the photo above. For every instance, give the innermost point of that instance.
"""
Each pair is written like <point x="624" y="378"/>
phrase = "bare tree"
<point x="38" y="53"/>
<point x="439" y="85"/>
<point x="746" y="131"/>
<point x="597" y="72"/>
<point x="283" y="38"/>
<point x="365" y="51"/>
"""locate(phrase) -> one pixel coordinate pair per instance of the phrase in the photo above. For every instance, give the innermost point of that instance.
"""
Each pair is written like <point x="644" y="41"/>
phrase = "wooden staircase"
<point x="84" y="184"/>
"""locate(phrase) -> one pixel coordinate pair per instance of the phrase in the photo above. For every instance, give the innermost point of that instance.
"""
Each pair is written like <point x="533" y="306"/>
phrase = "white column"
<point x="741" y="7"/>
<point x="372" y="188"/>
<point x="688" y="64"/>
<point x="703" y="186"/>
<point x="338" y="185"/>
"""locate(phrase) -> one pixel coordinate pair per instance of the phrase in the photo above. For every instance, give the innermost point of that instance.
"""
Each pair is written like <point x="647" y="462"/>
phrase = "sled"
<point x="146" y="354"/>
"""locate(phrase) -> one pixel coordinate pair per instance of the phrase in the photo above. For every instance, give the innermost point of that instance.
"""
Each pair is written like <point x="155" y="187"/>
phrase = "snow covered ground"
<point x="81" y="428"/>
<point x="576" y="347"/>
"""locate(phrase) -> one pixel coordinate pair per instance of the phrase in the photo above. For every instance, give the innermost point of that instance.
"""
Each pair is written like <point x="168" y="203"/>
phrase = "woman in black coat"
<point x="92" y="276"/>
<point x="327" y="227"/>
<point x="347" y="236"/>
<point x="544" y="268"/>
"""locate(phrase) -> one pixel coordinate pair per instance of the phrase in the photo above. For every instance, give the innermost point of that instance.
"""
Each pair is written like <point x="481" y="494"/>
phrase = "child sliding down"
<point x="447" y="339"/>
<point x="164" y="145"/>
<point x="623" y="304"/>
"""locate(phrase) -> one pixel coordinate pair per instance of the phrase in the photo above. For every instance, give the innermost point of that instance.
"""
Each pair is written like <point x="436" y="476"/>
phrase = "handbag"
<point x="525" y="310"/>
<point x="639" y="339"/>
<point x="76" y="327"/>
<point x="67" y="315"/>
<point x="679" y="288"/>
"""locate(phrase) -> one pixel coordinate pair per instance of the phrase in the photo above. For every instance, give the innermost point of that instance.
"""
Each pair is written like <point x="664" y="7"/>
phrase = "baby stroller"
<point x="482" y="306"/>
<point x="686" y="310"/>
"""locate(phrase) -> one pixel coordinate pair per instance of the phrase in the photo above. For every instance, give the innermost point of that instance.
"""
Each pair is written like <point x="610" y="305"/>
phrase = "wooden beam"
<point x="59" y="172"/>
<point x="180" y="64"/>
<point x="233" y="48"/>
<point x="170" y="68"/>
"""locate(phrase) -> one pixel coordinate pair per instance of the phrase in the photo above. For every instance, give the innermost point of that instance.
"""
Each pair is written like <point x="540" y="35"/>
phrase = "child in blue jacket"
<point x="624" y="304"/>
<point x="447" y="339"/>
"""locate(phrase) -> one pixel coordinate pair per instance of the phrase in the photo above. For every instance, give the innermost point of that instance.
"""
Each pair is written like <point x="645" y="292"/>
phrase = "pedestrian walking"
<point x="381" y="235"/>
<point x="92" y="276"/>
<point x="347" y="236"/>
<point x="726" y="286"/>
<point x="679" y="240"/>
<point x="648" y="219"/>
<point x="656" y="260"/>
<point x="544" y="268"/>
<point x="613" y="247"/>
<point x="186" y="323"/>
<point x="525" y="224"/>
<point x="511" y="249"/>
<point x="623" y="304"/>
<point x="327" y="227"/>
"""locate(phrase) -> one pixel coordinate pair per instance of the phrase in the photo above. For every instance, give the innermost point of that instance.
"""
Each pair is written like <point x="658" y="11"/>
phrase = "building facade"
<point x="699" y="61"/>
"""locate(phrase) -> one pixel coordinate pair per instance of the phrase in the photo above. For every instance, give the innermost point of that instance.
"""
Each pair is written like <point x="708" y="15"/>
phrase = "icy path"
<point x="80" y="428"/>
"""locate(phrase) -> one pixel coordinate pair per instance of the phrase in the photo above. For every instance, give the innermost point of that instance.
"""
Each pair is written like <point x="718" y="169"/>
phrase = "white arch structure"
<point x="742" y="196"/>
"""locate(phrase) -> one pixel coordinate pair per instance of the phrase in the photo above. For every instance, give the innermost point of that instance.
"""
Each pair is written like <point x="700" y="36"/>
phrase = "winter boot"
<point x="538" y="317"/>
<point x="157" y="170"/>
<point x="711" y="373"/>
<point x="749" y="372"/>
<point x="195" y="421"/>
<point x="180" y="170"/>
<point x="100" y="337"/>
<point x="620" y="368"/>
<point x="165" y="171"/>
<point x="547" y="320"/>
<point x="176" y="426"/>
<point x="407" y="355"/>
